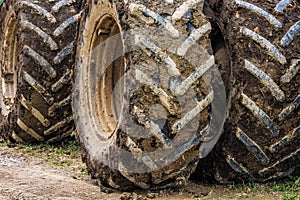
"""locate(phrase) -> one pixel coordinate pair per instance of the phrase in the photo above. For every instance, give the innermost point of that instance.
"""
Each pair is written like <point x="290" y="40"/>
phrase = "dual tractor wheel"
<point x="154" y="84"/>
<point x="261" y="136"/>
<point x="37" y="55"/>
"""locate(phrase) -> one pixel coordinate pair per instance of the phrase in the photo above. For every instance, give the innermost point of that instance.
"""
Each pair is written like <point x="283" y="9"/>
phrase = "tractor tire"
<point x="37" y="57"/>
<point x="143" y="94"/>
<point x="261" y="140"/>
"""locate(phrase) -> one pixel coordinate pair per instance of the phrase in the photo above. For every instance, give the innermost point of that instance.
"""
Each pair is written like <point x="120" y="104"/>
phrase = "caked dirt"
<point x="47" y="172"/>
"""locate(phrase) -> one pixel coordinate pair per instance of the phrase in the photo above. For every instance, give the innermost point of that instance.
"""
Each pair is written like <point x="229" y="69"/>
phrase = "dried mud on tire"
<point x="261" y="140"/>
<point x="37" y="57"/>
<point x="166" y="153"/>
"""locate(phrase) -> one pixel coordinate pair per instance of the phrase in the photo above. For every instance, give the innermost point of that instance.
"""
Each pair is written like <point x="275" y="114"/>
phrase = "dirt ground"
<point x="47" y="172"/>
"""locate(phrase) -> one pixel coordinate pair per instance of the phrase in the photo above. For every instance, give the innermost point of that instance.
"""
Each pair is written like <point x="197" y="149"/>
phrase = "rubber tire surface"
<point x="261" y="140"/>
<point x="45" y="32"/>
<point x="101" y="151"/>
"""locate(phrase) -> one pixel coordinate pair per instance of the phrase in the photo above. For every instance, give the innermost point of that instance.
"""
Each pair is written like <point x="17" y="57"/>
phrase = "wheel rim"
<point x="107" y="99"/>
<point x="9" y="66"/>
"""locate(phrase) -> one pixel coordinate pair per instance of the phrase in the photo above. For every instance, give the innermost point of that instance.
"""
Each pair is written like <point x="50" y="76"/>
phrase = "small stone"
<point x="140" y="197"/>
<point x="126" y="196"/>
<point x="152" y="195"/>
<point x="169" y="1"/>
<point x="134" y="196"/>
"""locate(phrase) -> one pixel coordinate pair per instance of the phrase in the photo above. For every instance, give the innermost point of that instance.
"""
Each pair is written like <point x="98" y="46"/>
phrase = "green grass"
<point x="291" y="184"/>
<point x="69" y="149"/>
<point x="60" y="154"/>
<point x="291" y="196"/>
<point x="63" y="154"/>
<point x="290" y="187"/>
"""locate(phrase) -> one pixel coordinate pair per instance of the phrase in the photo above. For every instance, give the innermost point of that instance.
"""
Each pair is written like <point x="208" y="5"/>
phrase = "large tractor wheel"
<point x="37" y="47"/>
<point x="145" y="91"/>
<point x="261" y="141"/>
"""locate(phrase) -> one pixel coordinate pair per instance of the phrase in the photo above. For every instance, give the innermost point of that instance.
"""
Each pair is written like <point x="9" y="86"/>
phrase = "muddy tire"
<point x="261" y="140"/>
<point x="37" y="48"/>
<point x="144" y="91"/>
